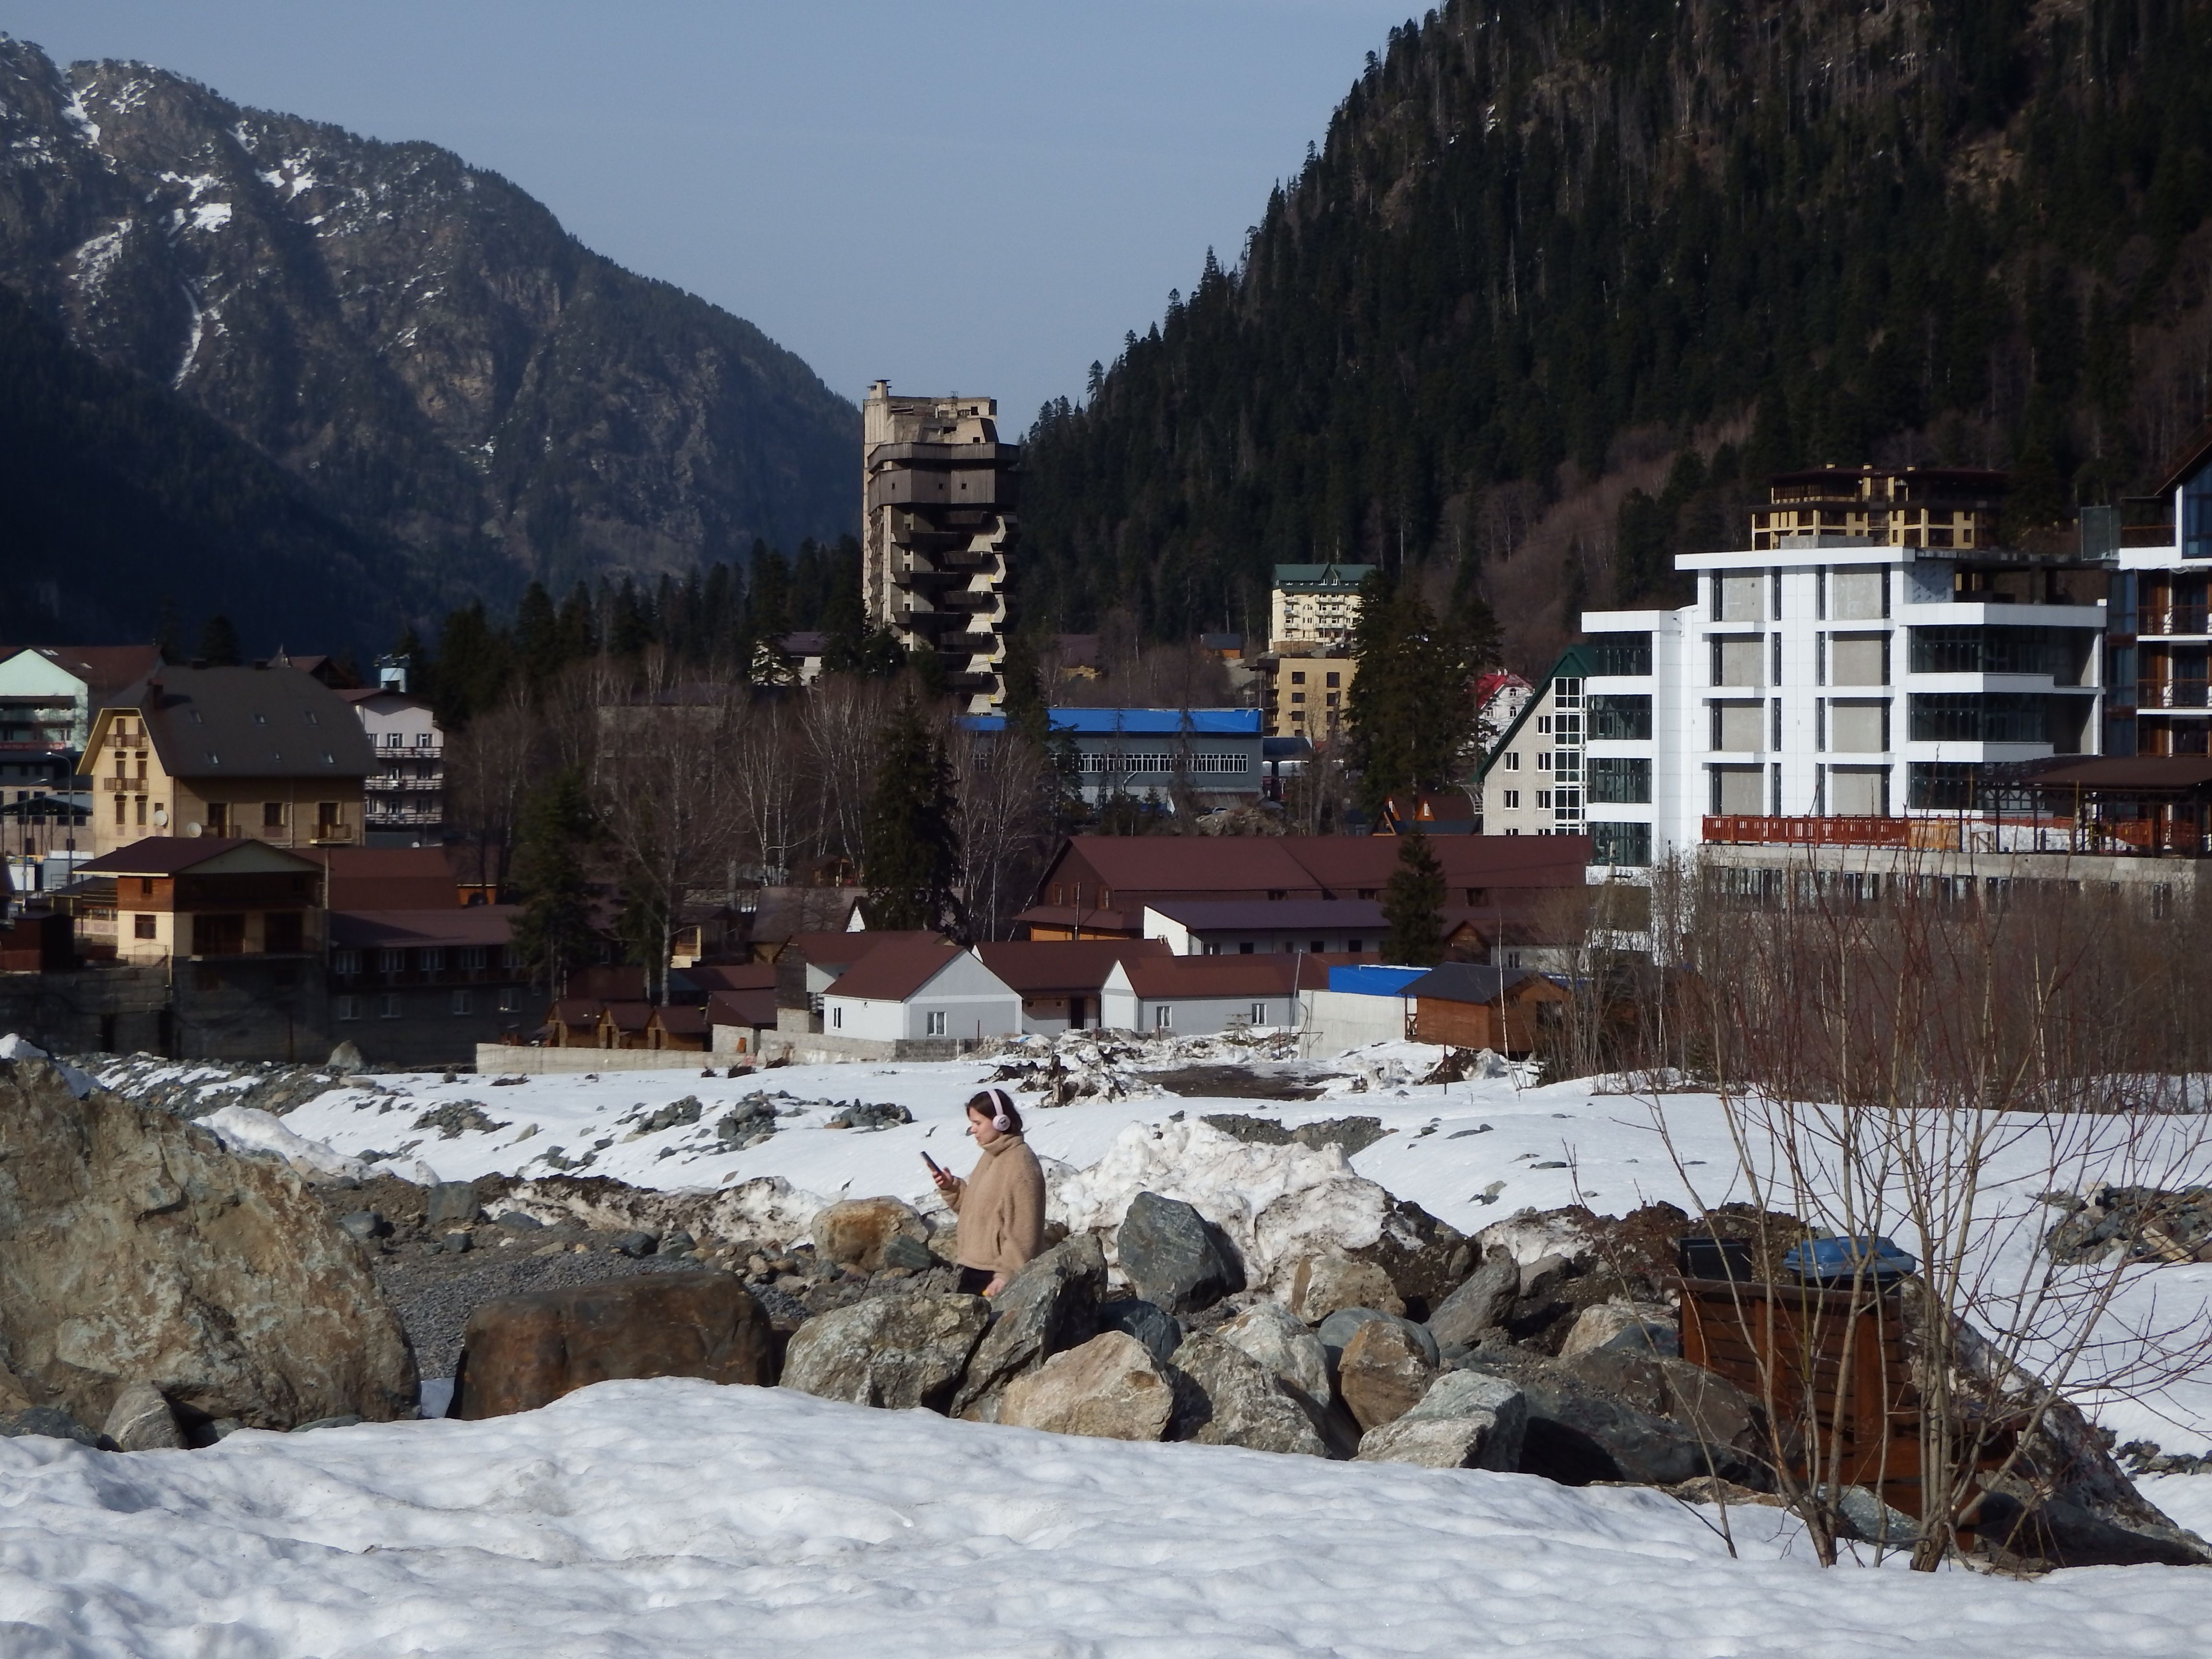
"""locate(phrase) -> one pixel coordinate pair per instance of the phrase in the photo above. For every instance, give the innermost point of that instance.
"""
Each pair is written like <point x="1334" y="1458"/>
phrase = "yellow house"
<point x="267" y="754"/>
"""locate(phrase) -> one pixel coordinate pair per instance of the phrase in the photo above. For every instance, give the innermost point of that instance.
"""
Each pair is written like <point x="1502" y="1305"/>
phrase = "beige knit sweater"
<point x="1001" y="1208"/>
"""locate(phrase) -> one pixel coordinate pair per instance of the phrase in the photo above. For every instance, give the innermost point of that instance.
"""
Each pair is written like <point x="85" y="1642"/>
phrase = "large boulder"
<point x="1610" y="1414"/>
<point x="519" y="1352"/>
<point x="1269" y="1333"/>
<point x="1465" y="1421"/>
<point x="1384" y="1371"/>
<point x="1110" y="1388"/>
<point x="1328" y="1283"/>
<point x="140" y="1420"/>
<point x="1050" y="1305"/>
<point x="1478" y="1303"/>
<point x="1158" y="1329"/>
<point x="898" y="1351"/>
<point x="134" y="1248"/>
<point x="1224" y="1397"/>
<point x="856" y="1233"/>
<point x="1173" y="1257"/>
<point x="1621" y="1325"/>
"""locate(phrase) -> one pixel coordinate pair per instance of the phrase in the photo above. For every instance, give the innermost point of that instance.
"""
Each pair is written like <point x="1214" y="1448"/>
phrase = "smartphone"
<point x="933" y="1167"/>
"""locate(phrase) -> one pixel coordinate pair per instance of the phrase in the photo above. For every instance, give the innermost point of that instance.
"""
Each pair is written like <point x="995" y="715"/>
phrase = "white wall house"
<point x="1197" y="996"/>
<point x="906" y="992"/>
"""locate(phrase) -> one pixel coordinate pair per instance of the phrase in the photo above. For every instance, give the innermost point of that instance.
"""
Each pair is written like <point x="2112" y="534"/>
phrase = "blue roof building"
<point x="1213" y="753"/>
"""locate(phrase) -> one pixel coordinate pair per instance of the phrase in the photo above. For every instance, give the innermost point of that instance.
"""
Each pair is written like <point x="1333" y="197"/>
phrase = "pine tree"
<point x="553" y="935"/>
<point x="219" y="643"/>
<point x="1412" y="902"/>
<point x="912" y="844"/>
<point x="1411" y="715"/>
<point x="537" y="635"/>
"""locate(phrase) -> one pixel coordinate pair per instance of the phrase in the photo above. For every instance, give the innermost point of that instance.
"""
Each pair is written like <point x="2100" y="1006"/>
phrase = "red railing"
<point x="1741" y="830"/>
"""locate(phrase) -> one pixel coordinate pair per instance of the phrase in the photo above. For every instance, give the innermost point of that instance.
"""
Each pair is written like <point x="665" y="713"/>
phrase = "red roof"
<point x="475" y="924"/>
<point x="679" y="1020"/>
<point x="755" y="1008"/>
<point x="1191" y="864"/>
<point x="843" y="950"/>
<point x="389" y="878"/>
<point x="731" y="975"/>
<point x="1257" y="975"/>
<point x="1136" y="867"/>
<point x="1062" y="967"/>
<point x="101" y="668"/>
<point x="895" y="971"/>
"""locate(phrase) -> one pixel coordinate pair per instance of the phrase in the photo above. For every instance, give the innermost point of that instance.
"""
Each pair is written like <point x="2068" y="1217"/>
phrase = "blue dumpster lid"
<point x="1837" y="1258"/>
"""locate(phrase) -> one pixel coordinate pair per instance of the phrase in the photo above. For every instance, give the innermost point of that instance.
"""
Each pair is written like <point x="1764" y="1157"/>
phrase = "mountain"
<point x="418" y="341"/>
<point x="1569" y="277"/>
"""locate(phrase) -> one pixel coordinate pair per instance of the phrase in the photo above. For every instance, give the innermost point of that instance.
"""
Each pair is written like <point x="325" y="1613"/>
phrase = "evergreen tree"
<point x="219" y="643"/>
<point x="574" y="627"/>
<point x="553" y="935"/>
<point x="1411" y="713"/>
<point x="537" y="635"/>
<point x="474" y="663"/>
<point x="1413" y="905"/>
<point x="912" y="845"/>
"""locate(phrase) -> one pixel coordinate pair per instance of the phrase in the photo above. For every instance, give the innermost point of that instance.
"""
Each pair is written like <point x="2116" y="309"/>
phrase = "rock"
<point x="1154" y="1327"/>
<point x="1224" y="1397"/>
<point x="519" y="1352"/>
<point x="346" y="1422"/>
<point x="1864" y="1517"/>
<point x="1384" y="1372"/>
<point x="1173" y="1258"/>
<point x="450" y="1203"/>
<point x="2067" y="1504"/>
<point x="1110" y="1388"/>
<point x="898" y="1351"/>
<point x="1424" y="1257"/>
<point x="1337" y="1330"/>
<point x="1481" y="1302"/>
<point x="1324" y="1283"/>
<point x="1466" y="1420"/>
<point x="678" y="1244"/>
<point x="47" y="1423"/>
<point x="366" y="1225"/>
<point x="856" y="1233"/>
<point x="1610" y="1324"/>
<point x="1052" y="1305"/>
<point x="456" y="1244"/>
<point x="634" y="1245"/>
<point x="217" y="1279"/>
<point x="1611" y="1415"/>
<point x="140" y="1420"/>
<point x="1269" y="1333"/>
<point x="909" y="1254"/>
<point x="345" y="1060"/>
<point x="1542" y="1278"/>
<point x="516" y="1221"/>
<point x="868" y="1114"/>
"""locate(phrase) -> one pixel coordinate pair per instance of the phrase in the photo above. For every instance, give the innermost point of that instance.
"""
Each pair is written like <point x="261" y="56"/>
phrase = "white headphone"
<point x="1000" y="1120"/>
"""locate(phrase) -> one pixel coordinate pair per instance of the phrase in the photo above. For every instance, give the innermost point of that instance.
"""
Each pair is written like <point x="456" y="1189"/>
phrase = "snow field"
<point x="673" y="1518"/>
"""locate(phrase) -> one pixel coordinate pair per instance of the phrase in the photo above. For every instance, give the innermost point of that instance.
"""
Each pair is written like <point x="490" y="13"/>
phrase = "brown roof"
<point x="389" y="878"/>
<point x="252" y="723"/>
<point x="1060" y="967"/>
<point x="576" y="1010"/>
<point x="844" y="950"/>
<point x="1316" y="867"/>
<point x="2117" y="772"/>
<point x="716" y="976"/>
<point x="399" y="929"/>
<point x="101" y="668"/>
<point x="607" y="982"/>
<point x="1079" y="917"/>
<point x="1191" y="863"/>
<point x="627" y="1016"/>
<point x="679" y="1020"/>
<point x="1257" y="975"/>
<point x="895" y="971"/>
<point x="755" y="1008"/>
<point x="166" y="855"/>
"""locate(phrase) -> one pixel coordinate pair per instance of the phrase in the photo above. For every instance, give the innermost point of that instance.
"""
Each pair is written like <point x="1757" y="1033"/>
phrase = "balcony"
<point x="2173" y="620"/>
<point x="1737" y="829"/>
<point x="2171" y="694"/>
<point x="332" y="835"/>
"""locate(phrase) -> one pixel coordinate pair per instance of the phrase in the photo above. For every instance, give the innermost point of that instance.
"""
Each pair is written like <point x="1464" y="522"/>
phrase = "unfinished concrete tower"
<point x="938" y="511"/>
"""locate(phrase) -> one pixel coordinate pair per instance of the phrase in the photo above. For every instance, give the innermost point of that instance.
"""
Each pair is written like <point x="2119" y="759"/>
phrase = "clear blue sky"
<point x="977" y="197"/>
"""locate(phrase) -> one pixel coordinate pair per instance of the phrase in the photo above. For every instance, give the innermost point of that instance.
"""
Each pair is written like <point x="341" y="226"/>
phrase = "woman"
<point x="1001" y="1203"/>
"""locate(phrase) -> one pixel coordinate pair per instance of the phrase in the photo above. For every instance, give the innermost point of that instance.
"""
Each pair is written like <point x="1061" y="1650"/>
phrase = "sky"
<point x="959" y="197"/>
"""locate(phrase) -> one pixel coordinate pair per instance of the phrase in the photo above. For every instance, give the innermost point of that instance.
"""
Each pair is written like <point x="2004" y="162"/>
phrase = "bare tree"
<point x="1005" y="789"/>
<point x="838" y="722"/>
<point x="766" y="776"/>
<point x="490" y="764"/>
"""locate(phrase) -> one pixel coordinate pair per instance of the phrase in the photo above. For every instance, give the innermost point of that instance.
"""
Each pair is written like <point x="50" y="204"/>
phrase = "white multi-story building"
<point x="1834" y="686"/>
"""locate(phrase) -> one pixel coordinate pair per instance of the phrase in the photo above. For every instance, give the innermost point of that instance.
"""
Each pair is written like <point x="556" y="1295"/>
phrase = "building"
<point x="1530" y="781"/>
<point x="1196" y="996"/>
<point x="938" y="524"/>
<point x="166" y="898"/>
<point x="267" y="753"/>
<point x="918" y="990"/>
<point x="1314" y="603"/>
<point x="1305" y="692"/>
<point x="1859" y="671"/>
<point x="1061" y="982"/>
<point x="808" y="964"/>
<point x="425" y="987"/>
<point x="1213" y="755"/>
<point x="2159" y="640"/>
<point x="1214" y="927"/>
<point x="1100" y="886"/>
<point x="49" y="694"/>
<point x="404" y="797"/>
<point x="1465" y="1005"/>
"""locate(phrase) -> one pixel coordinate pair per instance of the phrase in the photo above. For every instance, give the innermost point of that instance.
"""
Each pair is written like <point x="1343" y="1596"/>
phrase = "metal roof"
<point x="252" y="723"/>
<point x="1468" y="981"/>
<point x="1138" y="722"/>
<point x="1212" y="915"/>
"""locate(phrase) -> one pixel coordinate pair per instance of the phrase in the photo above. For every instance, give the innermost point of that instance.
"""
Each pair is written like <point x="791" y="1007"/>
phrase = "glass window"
<point x="463" y="1002"/>
<point x="1977" y="717"/>
<point x="1627" y="845"/>
<point x="1621" y="653"/>
<point x="1619" y="715"/>
<point x="141" y="927"/>
<point x="388" y="1008"/>
<point x="1164" y="1017"/>
<point x="2197" y="515"/>
<point x="1939" y="786"/>
<point x="1616" y="781"/>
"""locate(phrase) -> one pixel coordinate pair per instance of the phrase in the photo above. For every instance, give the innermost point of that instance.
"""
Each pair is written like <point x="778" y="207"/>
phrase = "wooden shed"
<point x="1465" y="1004"/>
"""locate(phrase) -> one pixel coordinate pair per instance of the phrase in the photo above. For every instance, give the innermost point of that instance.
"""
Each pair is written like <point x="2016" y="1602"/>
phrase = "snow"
<point x="245" y="1129"/>
<point x="210" y="216"/>
<point x="674" y="1518"/>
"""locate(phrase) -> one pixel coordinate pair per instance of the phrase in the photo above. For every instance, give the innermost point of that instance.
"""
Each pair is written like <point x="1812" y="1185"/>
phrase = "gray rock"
<point x="1050" y="1305"/>
<point x="897" y="1352"/>
<point x="1111" y="1387"/>
<point x="164" y="1228"/>
<point x="516" y="1221"/>
<point x="1481" y="1302"/>
<point x="456" y="1244"/>
<point x="1613" y="1325"/>
<point x="1867" y="1518"/>
<point x="450" y="1203"/>
<point x="1384" y="1369"/>
<point x="47" y="1423"/>
<point x="676" y="1242"/>
<point x="140" y="1420"/>
<point x="633" y="1245"/>
<point x="1155" y="1327"/>
<point x="2066" y="1502"/>
<point x="1173" y="1258"/>
<point x="1224" y="1397"/>
<point x="1610" y="1415"/>
<point x="367" y="1226"/>
<point x="345" y="1061"/>
<point x="901" y="1251"/>
<point x="1541" y="1276"/>
<point x="1270" y="1333"/>
<point x="1338" y="1329"/>
<point x="1324" y="1283"/>
<point x="1466" y="1420"/>
<point x="346" y="1421"/>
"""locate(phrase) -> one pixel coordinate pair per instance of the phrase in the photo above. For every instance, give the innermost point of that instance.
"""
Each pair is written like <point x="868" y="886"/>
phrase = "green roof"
<point x="1575" y="663"/>
<point x="1347" y="576"/>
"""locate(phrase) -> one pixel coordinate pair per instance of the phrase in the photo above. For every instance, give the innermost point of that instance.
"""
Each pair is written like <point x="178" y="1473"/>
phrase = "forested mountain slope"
<point x="1546" y="247"/>
<point x="454" y="373"/>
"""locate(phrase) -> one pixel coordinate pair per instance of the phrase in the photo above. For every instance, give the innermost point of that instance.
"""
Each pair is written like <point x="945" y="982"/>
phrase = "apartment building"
<point x="1213" y="754"/>
<point x="1531" y="783"/>
<point x="938" y="523"/>
<point x="404" y="796"/>
<point x="1314" y="603"/>
<point x="2160" y="638"/>
<point x="1835" y="682"/>
<point x="1307" y="693"/>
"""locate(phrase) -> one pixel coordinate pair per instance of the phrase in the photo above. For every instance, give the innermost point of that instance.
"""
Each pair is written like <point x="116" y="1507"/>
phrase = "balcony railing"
<point x="1743" y="829"/>
<point x="2173" y="619"/>
<point x="2170" y="694"/>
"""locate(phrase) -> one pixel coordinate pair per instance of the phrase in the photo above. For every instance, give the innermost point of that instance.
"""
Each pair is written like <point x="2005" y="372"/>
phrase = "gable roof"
<point x="2198" y="451"/>
<point x="252" y="723"/>
<point x="1191" y="864"/>
<point x="755" y="1008"/>
<point x="448" y="925"/>
<point x="716" y="977"/>
<point x="1208" y="915"/>
<point x="1575" y="663"/>
<point x="680" y="1019"/>
<point x="1333" y="575"/>
<point x="1257" y="975"/>
<point x="1467" y="981"/>
<point x="1140" y="869"/>
<point x="1062" y="967"/>
<point x="389" y="877"/>
<point x="847" y="950"/>
<point x="101" y="668"/>
<point x="895" y="971"/>
<point x="170" y="855"/>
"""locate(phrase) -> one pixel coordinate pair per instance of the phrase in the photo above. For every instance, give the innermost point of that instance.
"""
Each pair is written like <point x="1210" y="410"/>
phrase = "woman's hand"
<point x="998" y="1283"/>
<point x="946" y="1181"/>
